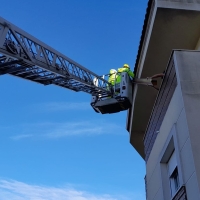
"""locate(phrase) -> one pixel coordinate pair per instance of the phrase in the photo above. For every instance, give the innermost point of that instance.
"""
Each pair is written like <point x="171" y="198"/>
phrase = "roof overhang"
<point x="169" y="25"/>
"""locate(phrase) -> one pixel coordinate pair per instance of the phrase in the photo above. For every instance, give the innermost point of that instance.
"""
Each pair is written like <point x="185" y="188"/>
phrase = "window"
<point x="173" y="174"/>
<point x="174" y="182"/>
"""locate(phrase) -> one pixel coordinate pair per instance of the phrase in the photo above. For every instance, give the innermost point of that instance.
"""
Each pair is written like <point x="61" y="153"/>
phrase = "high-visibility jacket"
<point x="112" y="77"/>
<point x="123" y="69"/>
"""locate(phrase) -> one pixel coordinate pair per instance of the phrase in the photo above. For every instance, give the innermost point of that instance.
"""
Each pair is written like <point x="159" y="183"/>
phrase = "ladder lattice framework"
<point x="25" y="56"/>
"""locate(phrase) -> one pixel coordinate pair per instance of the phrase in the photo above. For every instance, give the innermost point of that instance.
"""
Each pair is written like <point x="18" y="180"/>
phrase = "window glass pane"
<point x="174" y="181"/>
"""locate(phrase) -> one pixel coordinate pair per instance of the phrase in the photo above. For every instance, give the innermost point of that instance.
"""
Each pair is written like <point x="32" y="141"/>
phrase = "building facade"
<point x="172" y="150"/>
<point x="164" y="125"/>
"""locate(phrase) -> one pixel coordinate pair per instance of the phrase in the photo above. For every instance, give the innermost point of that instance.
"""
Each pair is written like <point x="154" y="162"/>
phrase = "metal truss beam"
<point x="27" y="57"/>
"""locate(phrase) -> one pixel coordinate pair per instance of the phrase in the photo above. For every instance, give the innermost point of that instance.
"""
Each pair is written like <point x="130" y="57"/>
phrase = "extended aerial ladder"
<point x="24" y="56"/>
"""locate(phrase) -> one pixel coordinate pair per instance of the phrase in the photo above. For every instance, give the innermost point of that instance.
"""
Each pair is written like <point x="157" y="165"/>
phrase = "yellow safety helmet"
<point x="126" y="66"/>
<point x="113" y="71"/>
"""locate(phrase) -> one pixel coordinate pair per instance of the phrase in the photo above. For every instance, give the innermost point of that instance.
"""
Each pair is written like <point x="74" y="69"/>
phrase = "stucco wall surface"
<point x="188" y="74"/>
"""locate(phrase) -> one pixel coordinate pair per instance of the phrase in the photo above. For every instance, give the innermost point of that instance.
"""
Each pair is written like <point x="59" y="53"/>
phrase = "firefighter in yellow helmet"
<point x="112" y="76"/>
<point x="125" y="68"/>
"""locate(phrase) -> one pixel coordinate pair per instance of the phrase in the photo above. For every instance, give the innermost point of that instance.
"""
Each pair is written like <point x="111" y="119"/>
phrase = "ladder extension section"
<point x="25" y="56"/>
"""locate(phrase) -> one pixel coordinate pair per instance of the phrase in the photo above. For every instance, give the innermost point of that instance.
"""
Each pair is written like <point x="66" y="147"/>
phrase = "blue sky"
<point x="52" y="144"/>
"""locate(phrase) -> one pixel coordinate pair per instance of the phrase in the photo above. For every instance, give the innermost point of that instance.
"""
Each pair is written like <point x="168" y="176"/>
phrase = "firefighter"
<point x="125" y="68"/>
<point x="112" y="77"/>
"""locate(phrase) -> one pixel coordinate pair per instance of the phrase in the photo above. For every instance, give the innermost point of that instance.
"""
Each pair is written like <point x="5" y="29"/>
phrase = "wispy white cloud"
<point x="60" y="130"/>
<point x="86" y="128"/>
<point x="15" y="190"/>
<point x="23" y="136"/>
<point x="62" y="106"/>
